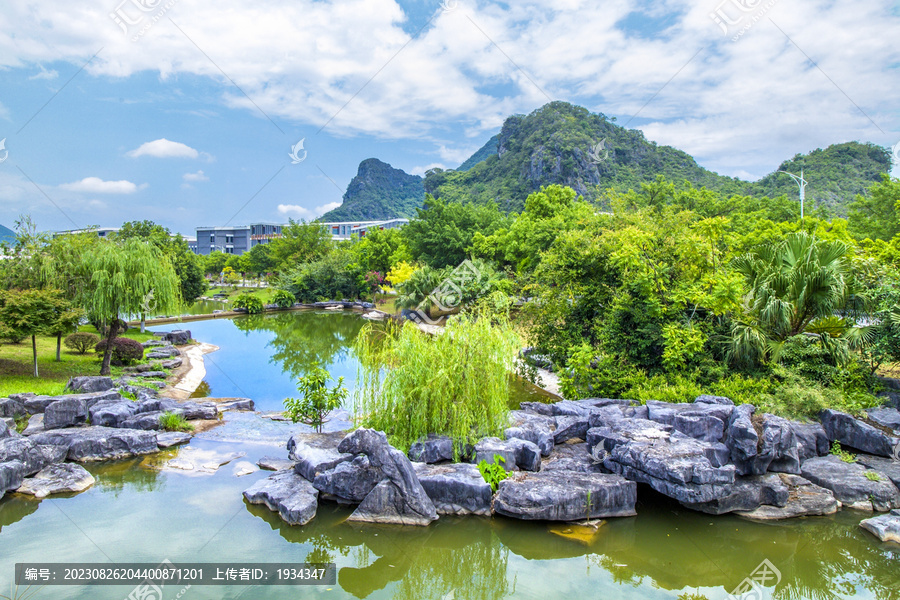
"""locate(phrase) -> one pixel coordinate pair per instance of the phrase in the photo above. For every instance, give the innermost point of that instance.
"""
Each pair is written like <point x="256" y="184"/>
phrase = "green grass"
<point x="170" y="421"/>
<point x="873" y="476"/>
<point x="265" y="294"/>
<point x="16" y="366"/>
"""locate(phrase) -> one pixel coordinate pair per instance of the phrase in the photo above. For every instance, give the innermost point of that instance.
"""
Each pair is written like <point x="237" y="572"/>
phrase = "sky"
<point x="194" y="113"/>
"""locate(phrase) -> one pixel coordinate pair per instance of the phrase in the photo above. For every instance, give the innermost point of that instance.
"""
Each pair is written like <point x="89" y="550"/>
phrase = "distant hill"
<point x="486" y="151"/>
<point x="7" y="235"/>
<point x="379" y="191"/>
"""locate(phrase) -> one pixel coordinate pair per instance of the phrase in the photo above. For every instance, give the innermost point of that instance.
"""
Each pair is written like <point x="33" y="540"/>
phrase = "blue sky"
<point x="187" y="113"/>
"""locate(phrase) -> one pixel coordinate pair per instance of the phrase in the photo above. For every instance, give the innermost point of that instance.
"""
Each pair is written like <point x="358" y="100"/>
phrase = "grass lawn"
<point x="265" y="293"/>
<point x="389" y="303"/>
<point x="16" y="366"/>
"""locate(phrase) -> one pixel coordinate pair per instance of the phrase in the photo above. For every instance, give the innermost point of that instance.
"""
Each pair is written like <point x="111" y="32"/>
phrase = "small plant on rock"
<point x="847" y="457"/>
<point x="493" y="473"/>
<point x="170" y="421"/>
<point x="872" y="476"/>
<point x="317" y="398"/>
<point x="81" y="341"/>
<point x="283" y="299"/>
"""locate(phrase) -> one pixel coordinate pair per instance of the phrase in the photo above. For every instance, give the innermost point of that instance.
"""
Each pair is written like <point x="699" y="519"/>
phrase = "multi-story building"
<point x="230" y="240"/>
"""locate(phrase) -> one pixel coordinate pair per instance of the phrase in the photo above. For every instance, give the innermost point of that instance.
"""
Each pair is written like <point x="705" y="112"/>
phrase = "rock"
<point x="886" y="417"/>
<point x="87" y="384"/>
<point x="172" y="438"/>
<point x="25" y="451"/>
<point x="153" y="343"/>
<point x="12" y="473"/>
<point x="38" y="404"/>
<point x="701" y="427"/>
<point x="572" y="457"/>
<point x="243" y="467"/>
<point x="856" y="434"/>
<point x="11" y="408"/>
<point x="290" y="495"/>
<point x="805" y="499"/>
<point x="349" y="482"/>
<point x="885" y="466"/>
<point x="748" y="494"/>
<point x="569" y="408"/>
<point x="172" y="363"/>
<point x="516" y="453"/>
<point x="10" y="426"/>
<point x="179" y="337"/>
<point x="239" y="404"/>
<point x="21" y="398"/>
<point x="149" y="375"/>
<point x="571" y="427"/>
<point x="565" y="496"/>
<point x="399" y="498"/>
<point x="432" y="449"/>
<point x="57" y="479"/>
<point x="885" y="527"/>
<point x="455" y="489"/>
<point x="705" y="399"/>
<point x="197" y="461"/>
<point x="664" y="412"/>
<point x="811" y="440"/>
<point x="5" y="431"/>
<point x="606" y="416"/>
<point x="850" y="485"/>
<point x="35" y="425"/>
<point x="112" y="413"/>
<point x="66" y="412"/>
<point x="92" y="443"/>
<point x="780" y="452"/>
<point x="163" y="352"/>
<point x="742" y="439"/>
<point x="532" y="428"/>
<point x="143" y="421"/>
<point x="671" y="463"/>
<point x="315" y="454"/>
<point x="157" y="404"/>
<point x="275" y="464"/>
<point x="53" y="454"/>
<point x="193" y="410"/>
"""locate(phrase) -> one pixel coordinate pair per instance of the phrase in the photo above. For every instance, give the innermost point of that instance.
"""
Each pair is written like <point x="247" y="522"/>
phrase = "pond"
<point x="140" y="511"/>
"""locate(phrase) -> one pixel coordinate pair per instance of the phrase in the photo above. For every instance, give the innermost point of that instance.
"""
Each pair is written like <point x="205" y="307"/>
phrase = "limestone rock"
<point x="455" y="488"/>
<point x="805" y="499"/>
<point x="856" y="434"/>
<point x="432" y="449"/>
<point x="92" y="443"/>
<point x="516" y="453"/>
<point x="885" y="527"/>
<point x="65" y="412"/>
<point x="270" y="463"/>
<point x="172" y="438"/>
<point x="532" y="428"/>
<point x="314" y="454"/>
<point x="87" y="384"/>
<point x="57" y="479"/>
<point x="290" y="495"/>
<point x="25" y="451"/>
<point x="850" y="486"/>
<point x="349" y="482"/>
<point x="748" y="494"/>
<point x="565" y="496"/>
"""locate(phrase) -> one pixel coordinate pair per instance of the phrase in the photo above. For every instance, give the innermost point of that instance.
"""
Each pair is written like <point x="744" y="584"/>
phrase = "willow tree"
<point x="119" y="278"/>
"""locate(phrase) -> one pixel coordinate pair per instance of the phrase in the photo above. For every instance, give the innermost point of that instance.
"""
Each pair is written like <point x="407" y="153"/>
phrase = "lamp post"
<point x="800" y="182"/>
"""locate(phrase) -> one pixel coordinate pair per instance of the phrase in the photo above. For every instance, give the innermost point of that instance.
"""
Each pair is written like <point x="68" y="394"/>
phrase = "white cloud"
<point x="163" y="148"/>
<point x="421" y="170"/>
<point x="198" y="176"/>
<point x="95" y="185"/>
<point x="45" y="74"/>
<point x="295" y="210"/>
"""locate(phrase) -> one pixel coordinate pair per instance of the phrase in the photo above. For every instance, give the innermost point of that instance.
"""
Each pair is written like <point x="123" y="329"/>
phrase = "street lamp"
<point x="800" y="182"/>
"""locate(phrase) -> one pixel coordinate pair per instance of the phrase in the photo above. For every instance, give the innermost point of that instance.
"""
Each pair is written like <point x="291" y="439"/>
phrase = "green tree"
<point x="317" y="398"/>
<point x="877" y="216"/>
<point x="381" y="249"/>
<point x="214" y="263"/>
<point x="300" y="242"/>
<point x="118" y="279"/>
<point x="36" y="312"/>
<point x="259" y="260"/>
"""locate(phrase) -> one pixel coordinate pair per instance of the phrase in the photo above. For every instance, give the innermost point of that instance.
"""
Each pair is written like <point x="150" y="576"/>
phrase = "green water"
<point x="139" y="512"/>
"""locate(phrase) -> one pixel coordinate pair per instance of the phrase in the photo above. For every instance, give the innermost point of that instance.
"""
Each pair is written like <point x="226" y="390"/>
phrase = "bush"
<point x="252" y="303"/>
<point x="456" y="383"/>
<point x="170" y="421"/>
<point x="81" y="341"/>
<point x="124" y="350"/>
<point x="283" y="299"/>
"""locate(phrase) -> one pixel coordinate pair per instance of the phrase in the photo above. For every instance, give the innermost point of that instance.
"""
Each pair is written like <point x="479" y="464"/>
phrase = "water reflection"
<point x="130" y="475"/>
<point x="14" y="508"/>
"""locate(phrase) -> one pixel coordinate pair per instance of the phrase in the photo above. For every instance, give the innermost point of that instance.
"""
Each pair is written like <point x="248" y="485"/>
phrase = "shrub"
<point x="81" y="341"/>
<point x="252" y="303"/>
<point x="124" y="350"/>
<point x="283" y="299"/>
<point x="456" y="383"/>
<point x="170" y="421"/>
<point x="493" y="473"/>
<point x="317" y="399"/>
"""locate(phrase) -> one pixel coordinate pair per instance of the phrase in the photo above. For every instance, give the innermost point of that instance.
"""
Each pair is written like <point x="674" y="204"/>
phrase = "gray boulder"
<point x="112" y="413"/>
<point x="35" y="425"/>
<point x="748" y="493"/>
<point x="38" y="404"/>
<point x="516" y="453"/>
<point x="349" y="482"/>
<point x="172" y="438"/>
<point x="606" y="415"/>
<point x="805" y="499"/>
<point x="239" y="404"/>
<point x="701" y="427"/>
<point x="88" y="384"/>
<point x="432" y="449"/>
<point x="163" y="353"/>
<point x="572" y="457"/>
<point x="172" y="363"/>
<point x="743" y="440"/>
<point x="885" y="527"/>
<point x="25" y="451"/>
<point x="780" y="452"/>
<point x="5" y="431"/>
<point x="270" y="463"/>
<point x="706" y="399"/>
<point x="11" y="408"/>
<point x="399" y="498"/>
<point x="65" y="412"/>
<point x="314" y="454"/>
<point x="885" y="466"/>
<point x="12" y="473"/>
<point x="57" y="479"/>
<point x="53" y="454"/>
<point x="149" y="375"/>
<point x="625" y="431"/>
<point x="144" y="421"/>
<point x="811" y="439"/>
<point x="569" y="408"/>
<point x="885" y="416"/>
<point x="455" y="488"/>
<point x="179" y="337"/>
<point x="153" y="344"/>
<point x="85" y="444"/>
<point x="203" y="410"/>
<point x="10" y="424"/>
<point x="568" y="428"/>
<point x="290" y="495"/>
<point x="856" y="434"/>
<point x="850" y="486"/>
<point x="532" y="428"/>
<point x="565" y="496"/>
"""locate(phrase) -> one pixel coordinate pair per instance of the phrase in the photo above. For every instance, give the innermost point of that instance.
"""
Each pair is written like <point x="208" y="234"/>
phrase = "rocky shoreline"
<point x="589" y="459"/>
